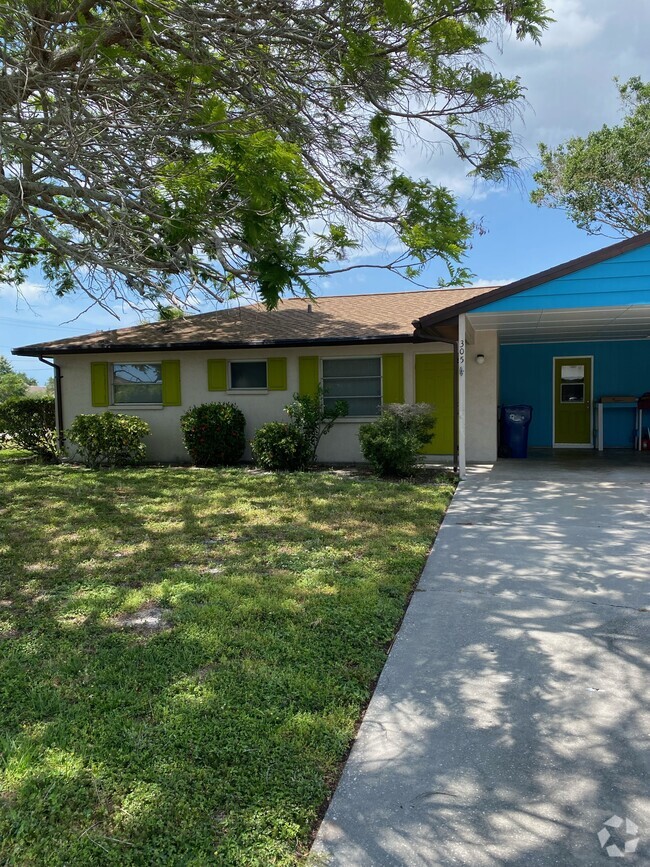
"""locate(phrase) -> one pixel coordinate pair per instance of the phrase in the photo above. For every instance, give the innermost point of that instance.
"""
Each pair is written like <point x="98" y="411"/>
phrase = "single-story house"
<point x="559" y="340"/>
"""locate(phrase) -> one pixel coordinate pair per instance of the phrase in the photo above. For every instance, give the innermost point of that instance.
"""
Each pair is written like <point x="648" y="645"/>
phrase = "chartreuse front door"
<point x="434" y="384"/>
<point x="572" y="379"/>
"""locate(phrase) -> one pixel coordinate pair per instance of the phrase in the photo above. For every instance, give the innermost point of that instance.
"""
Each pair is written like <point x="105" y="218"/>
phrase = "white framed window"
<point x="248" y="375"/>
<point x="136" y="383"/>
<point x="354" y="380"/>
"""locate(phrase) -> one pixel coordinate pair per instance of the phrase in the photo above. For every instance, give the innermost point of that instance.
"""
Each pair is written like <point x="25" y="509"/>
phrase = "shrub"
<point x="109" y="439"/>
<point x="391" y="444"/>
<point x="29" y="423"/>
<point x="214" y="434"/>
<point x="292" y="445"/>
<point x="313" y="421"/>
<point x="279" y="445"/>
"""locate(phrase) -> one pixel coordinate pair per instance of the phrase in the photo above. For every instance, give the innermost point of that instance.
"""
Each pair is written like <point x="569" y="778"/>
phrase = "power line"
<point x="24" y="323"/>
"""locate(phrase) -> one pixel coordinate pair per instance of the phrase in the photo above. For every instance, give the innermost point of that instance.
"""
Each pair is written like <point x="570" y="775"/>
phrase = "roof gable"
<point x="619" y="269"/>
<point x="622" y="280"/>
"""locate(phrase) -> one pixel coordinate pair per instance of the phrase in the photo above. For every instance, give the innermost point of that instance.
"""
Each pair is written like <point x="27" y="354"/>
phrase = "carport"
<point x="567" y="339"/>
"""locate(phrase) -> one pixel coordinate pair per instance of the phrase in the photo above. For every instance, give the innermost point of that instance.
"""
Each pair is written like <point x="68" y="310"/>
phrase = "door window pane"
<point x="248" y="374"/>
<point x="572" y="383"/>
<point x="572" y="392"/>
<point x="137" y="383"/>
<point x="573" y="372"/>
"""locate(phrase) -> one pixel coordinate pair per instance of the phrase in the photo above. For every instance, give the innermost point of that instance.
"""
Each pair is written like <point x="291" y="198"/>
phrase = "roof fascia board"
<point x="43" y="349"/>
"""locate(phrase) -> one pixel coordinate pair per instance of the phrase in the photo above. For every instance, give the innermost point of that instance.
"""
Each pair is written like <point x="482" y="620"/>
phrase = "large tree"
<point x="155" y="148"/>
<point x="602" y="180"/>
<point x="12" y="384"/>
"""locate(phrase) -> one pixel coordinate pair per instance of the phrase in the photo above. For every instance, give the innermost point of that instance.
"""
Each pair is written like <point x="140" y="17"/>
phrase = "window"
<point x="137" y="383"/>
<point x="248" y="374"/>
<point x="355" y="380"/>
<point x="572" y="386"/>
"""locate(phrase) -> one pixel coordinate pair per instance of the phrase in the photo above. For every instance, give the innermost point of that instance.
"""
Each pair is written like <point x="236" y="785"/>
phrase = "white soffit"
<point x="549" y="326"/>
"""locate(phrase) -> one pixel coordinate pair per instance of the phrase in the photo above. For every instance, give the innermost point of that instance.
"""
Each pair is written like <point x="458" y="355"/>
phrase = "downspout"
<point x="58" y="399"/>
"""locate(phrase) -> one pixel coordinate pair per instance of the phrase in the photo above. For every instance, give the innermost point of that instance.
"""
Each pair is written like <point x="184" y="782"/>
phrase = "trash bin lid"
<point x="519" y="414"/>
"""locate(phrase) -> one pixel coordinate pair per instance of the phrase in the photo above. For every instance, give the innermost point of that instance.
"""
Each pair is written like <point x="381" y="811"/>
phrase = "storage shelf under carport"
<point x="620" y="402"/>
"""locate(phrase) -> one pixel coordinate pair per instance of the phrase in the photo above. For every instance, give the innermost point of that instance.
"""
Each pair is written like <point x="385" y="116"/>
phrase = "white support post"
<point x="462" y="358"/>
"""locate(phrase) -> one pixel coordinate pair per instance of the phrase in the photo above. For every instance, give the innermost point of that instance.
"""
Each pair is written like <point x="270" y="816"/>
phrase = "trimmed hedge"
<point x="109" y="439"/>
<point x="214" y="434"/>
<point x="30" y="424"/>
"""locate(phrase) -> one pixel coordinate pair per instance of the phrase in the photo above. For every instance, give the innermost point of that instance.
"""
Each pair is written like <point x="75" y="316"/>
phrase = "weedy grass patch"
<point x="186" y="654"/>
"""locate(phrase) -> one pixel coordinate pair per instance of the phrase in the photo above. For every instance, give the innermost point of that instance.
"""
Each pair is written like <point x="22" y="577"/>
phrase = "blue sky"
<point x="569" y="92"/>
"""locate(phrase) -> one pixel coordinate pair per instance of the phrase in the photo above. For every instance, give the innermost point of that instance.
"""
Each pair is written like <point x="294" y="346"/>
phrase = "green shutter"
<point x="171" y="383"/>
<point x="392" y="378"/>
<point x="308" y="375"/>
<point x="99" y="383"/>
<point x="277" y="374"/>
<point x="217" y="374"/>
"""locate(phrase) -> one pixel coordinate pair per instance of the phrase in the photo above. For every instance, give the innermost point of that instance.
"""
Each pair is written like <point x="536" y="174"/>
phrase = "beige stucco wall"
<point x="482" y="397"/>
<point x="341" y="445"/>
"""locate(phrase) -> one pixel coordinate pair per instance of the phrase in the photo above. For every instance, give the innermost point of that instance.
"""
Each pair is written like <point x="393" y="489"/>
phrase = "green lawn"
<point x="14" y="454"/>
<point x="215" y="736"/>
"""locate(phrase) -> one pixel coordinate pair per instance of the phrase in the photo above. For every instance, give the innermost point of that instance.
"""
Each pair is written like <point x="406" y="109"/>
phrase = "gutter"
<point x="58" y="399"/>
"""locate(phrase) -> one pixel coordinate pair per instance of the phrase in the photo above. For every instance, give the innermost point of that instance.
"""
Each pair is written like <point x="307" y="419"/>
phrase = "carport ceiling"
<point x="550" y="326"/>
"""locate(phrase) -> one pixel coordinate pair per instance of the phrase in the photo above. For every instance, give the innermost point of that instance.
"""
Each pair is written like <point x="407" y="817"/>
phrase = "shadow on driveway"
<point x="511" y="719"/>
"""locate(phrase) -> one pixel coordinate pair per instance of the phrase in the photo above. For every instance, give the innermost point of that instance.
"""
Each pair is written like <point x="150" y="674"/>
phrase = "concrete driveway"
<point x="512" y="717"/>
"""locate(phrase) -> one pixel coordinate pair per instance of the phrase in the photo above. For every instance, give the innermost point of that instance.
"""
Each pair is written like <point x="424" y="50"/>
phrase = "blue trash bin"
<point x="515" y="421"/>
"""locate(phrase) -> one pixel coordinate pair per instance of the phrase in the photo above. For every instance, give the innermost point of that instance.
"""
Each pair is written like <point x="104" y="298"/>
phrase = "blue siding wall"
<point x="619" y="368"/>
<point x="622" y="280"/>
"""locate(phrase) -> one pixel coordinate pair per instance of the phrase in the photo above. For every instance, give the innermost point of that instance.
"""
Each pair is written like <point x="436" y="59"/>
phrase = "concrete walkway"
<point x="511" y="719"/>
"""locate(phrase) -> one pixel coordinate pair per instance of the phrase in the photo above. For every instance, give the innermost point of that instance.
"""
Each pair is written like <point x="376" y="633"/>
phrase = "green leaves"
<point x="164" y="151"/>
<point x="399" y="12"/>
<point x="30" y="424"/>
<point x="430" y="223"/>
<point x="109" y="439"/>
<point x="12" y="383"/>
<point x="213" y="434"/>
<point x="602" y="181"/>
<point x="392" y="442"/>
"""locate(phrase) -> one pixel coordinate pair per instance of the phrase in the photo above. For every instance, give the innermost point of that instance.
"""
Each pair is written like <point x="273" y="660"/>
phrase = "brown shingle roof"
<point x="298" y="322"/>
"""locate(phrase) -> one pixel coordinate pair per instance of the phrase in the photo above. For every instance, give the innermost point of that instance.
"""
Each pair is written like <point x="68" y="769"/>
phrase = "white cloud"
<point x="479" y="284"/>
<point x="568" y="81"/>
<point x="576" y="24"/>
<point x="569" y="76"/>
<point x="28" y="291"/>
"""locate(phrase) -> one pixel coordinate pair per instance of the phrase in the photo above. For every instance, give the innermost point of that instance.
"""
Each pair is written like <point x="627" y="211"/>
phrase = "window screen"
<point x="137" y="383"/>
<point x="354" y="380"/>
<point x="248" y="374"/>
